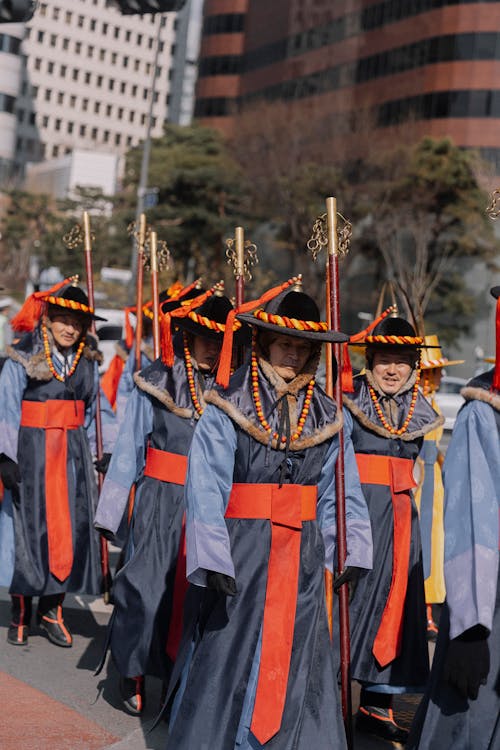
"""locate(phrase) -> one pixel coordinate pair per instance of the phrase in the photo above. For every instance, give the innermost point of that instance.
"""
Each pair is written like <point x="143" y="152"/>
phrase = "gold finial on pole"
<point x="493" y="208"/>
<point x="153" y="259"/>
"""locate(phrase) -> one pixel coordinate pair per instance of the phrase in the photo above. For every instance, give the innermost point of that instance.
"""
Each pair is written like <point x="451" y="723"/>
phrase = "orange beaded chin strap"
<point x="380" y="414"/>
<point x="258" y="405"/>
<point x="190" y="377"/>
<point x="48" y="357"/>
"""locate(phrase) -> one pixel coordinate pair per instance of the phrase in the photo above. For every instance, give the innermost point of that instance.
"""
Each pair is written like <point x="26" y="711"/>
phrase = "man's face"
<point x="66" y="328"/>
<point x="206" y="352"/>
<point x="288" y="356"/>
<point x="392" y="369"/>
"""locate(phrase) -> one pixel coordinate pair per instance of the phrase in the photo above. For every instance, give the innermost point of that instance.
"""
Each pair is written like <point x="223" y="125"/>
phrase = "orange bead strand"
<point x="48" y="357"/>
<point x="380" y="414"/>
<point x="190" y="377"/>
<point x="258" y="405"/>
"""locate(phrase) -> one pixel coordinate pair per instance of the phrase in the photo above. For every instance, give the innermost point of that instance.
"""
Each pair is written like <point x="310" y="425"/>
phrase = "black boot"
<point x="375" y="716"/>
<point x="19" y="626"/>
<point x="133" y="694"/>
<point x="50" y="619"/>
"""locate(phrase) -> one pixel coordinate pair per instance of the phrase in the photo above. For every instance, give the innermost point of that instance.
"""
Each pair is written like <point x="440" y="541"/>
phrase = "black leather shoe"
<point x="380" y="722"/>
<point x="17" y="635"/>
<point x="132" y="694"/>
<point x="53" y="624"/>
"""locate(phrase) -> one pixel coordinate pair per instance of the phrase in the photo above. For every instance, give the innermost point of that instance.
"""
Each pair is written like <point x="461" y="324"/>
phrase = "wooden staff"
<point x="141" y="239"/>
<point x="333" y="306"/>
<point x="106" y="575"/>
<point x="154" y="293"/>
<point x="239" y="265"/>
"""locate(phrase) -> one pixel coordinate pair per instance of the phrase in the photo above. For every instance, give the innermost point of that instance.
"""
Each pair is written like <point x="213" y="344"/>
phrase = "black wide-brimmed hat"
<point x="293" y="313"/>
<point x="209" y="320"/>
<point x="392" y="332"/>
<point x="66" y="295"/>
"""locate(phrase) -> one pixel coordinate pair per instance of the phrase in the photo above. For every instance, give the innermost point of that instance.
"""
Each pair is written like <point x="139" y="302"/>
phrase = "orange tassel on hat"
<point x="346" y="374"/>
<point x="129" y="331"/>
<point x="30" y="313"/>
<point x="166" y="341"/>
<point x="226" y="355"/>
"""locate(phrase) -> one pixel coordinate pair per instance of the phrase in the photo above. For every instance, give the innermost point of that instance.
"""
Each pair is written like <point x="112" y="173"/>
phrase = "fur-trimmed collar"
<point x="32" y="357"/>
<point x="481" y="394"/>
<point x="237" y="403"/>
<point x="256" y="431"/>
<point x="430" y="419"/>
<point x="169" y="386"/>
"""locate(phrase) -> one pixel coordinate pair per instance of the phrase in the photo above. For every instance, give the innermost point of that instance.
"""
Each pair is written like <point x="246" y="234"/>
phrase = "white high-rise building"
<point x="87" y="79"/>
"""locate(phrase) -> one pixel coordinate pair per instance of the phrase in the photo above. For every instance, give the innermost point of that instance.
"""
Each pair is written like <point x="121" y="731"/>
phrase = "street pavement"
<point x="50" y="698"/>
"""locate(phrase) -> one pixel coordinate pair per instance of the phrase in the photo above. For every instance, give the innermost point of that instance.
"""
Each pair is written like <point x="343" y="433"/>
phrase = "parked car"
<point x="449" y="400"/>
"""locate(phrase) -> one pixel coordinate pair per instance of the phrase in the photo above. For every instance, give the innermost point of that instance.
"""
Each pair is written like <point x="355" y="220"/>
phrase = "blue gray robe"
<point x="471" y="475"/>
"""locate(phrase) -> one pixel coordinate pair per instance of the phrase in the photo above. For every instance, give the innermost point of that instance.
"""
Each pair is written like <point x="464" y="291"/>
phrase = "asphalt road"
<point x="50" y="698"/>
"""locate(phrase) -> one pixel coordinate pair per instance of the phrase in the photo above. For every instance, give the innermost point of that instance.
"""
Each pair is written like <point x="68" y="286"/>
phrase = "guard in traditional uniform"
<point x="49" y="386"/>
<point x="461" y="708"/>
<point x="151" y="452"/>
<point x="387" y="614"/>
<point x="260" y="528"/>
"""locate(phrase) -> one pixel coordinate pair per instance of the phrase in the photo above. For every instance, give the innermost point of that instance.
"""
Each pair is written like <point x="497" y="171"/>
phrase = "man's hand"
<point x="350" y="575"/>
<point x="9" y="471"/>
<point x="102" y="464"/>
<point x="467" y="662"/>
<point x="221" y="583"/>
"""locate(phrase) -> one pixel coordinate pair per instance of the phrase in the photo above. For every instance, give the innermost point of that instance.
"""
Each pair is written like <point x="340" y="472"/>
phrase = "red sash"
<point x="165" y="466"/>
<point x="396" y="473"/>
<point x="286" y="507"/>
<point x="56" y="417"/>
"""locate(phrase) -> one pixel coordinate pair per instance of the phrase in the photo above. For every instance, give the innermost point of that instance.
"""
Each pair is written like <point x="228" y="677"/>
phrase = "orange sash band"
<point x="56" y="417"/>
<point x="165" y="466"/>
<point x="286" y="507"/>
<point x="396" y="473"/>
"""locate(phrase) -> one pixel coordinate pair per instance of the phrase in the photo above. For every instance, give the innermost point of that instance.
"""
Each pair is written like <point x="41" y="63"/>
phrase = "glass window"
<point x="62" y="71"/>
<point x="139" y="38"/>
<point x="85" y="104"/>
<point x="131" y="115"/>
<point x="97" y="107"/>
<point x="53" y="40"/>
<point x="40" y="36"/>
<point x="65" y="43"/>
<point x="114" y="57"/>
<point x="118" y="139"/>
<point x="128" y="35"/>
<point x="123" y="87"/>
<point x="116" y="32"/>
<point x="90" y="51"/>
<point x="57" y="124"/>
<point x="60" y="97"/>
<point x="68" y="16"/>
<point x="72" y="100"/>
<point x="69" y="127"/>
<point x="99" y="82"/>
<point x="105" y="28"/>
<point x="88" y="77"/>
<point x="50" y="67"/>
<point x="105" y="136"/>
<point x="75" y="75"/>
<point x="93" y="134"/>
<point x="83" y="129"/>
<point x="93" y="24"/>
<point x="48" y="95"/>
<point x="102" y="54"/>
<point x="78" y="47"/>
<point x="55" y="13"/>
<point x="111" y="84"/>
<point x="134" y="90"/>
<point x="109" y="109"/>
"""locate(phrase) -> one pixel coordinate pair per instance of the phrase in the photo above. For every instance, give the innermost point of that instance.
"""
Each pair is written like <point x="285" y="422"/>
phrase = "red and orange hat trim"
<point x="32" y="310"/>
<point x="284" y="322"/>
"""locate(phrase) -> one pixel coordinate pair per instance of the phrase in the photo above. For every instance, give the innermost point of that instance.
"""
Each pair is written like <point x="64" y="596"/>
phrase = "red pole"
<point x="106" y="576"/>
<point x="334" y="304"/>
<point x="139" y="290"/>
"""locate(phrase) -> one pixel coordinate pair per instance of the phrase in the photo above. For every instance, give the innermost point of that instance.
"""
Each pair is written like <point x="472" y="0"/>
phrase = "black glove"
<point x="467" y="662"/>
<point x="9" y="471"/>
<point x="350" y="575"/>
<point x="106" y="533"/>
<point x="221" y="583"/>
<point x="102" y="464"/>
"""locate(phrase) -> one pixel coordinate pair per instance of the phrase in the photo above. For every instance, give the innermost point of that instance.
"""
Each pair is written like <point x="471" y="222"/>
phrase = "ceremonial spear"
<point x="325" y="234"/>
<point x="72" y="240"/>
<point x="241" y="254"/>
